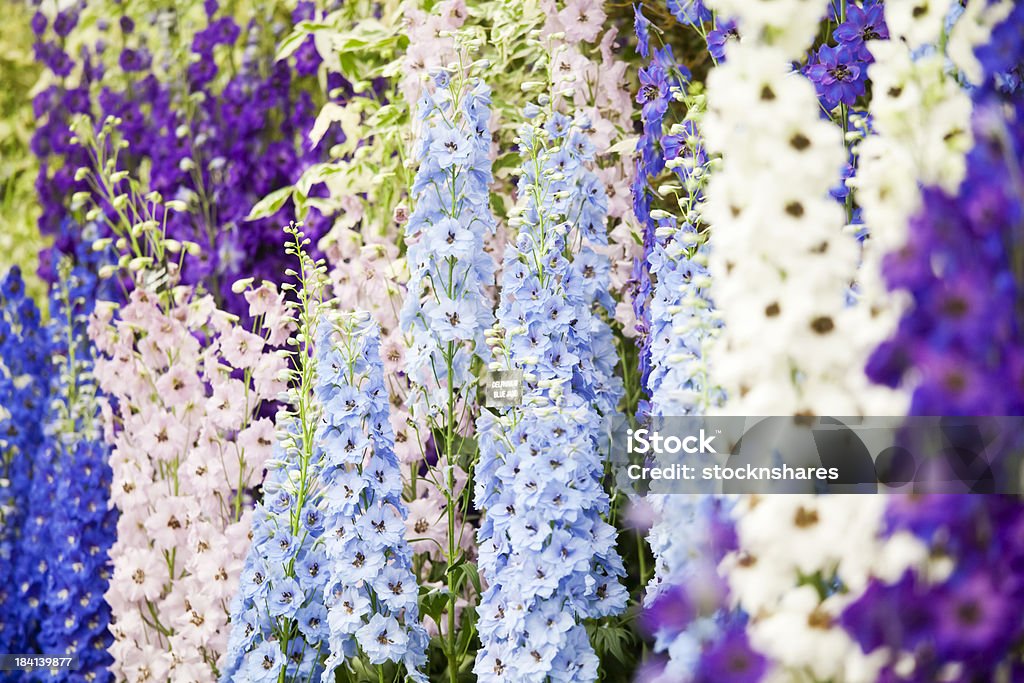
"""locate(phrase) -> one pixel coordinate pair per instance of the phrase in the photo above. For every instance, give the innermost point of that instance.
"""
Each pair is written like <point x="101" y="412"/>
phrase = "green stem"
<point x="453" y="657"/>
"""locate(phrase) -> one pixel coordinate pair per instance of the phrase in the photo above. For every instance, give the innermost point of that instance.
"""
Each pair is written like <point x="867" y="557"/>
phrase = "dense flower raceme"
<point x="232" y="137"/>
<point x="446" y="311"/>
<point x="782" y="311"/>
<point x="329" y="573"/>
<point x="683" y="325"/>
<point x="63" y="554"/>
<point x="371" y="589"/>
<point x="25" y="371"/>
<point x="446" y="308"/>
<point x="367" y="271"/>
<point x="278" y="619"/>
<point x="661" y="82"/>
<point x="958" y="611"/>
<point x="790" y="303"/>
<point x="545" y="551"/>
<point x="595" y="81"/>
<point x="186" y="386"/>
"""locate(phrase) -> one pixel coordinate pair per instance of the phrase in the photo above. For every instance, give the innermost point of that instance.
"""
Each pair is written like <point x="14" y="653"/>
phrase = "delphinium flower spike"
<point x="25" y="372"/>
<point x="683" y="599"/>
<point x="184" y="386"/>
<point x="784" y="313"/>
<point x="545" y="550"/>
<point x="66" y="567"/>
<point x="446" y="310"/>
<point x="328" y="578"/>
<point x="371" y="591"/>
<point x="278" y="620"/>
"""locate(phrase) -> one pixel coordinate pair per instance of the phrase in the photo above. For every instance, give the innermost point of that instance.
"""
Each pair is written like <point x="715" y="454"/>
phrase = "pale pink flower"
<point x="452" y="12"/>
<point x="582" y="20"/>
<point x="203" y="535"/>
<point x="236" y="534"/>
<point x="574" y="72"/>
<point x="198" y="312"/>
<point x="263" y="299"/>
<point x="192" y="668"/>
<point x="155" y="353"/>
<point x="180" y="387"/>
<point x="257" y="442"/>
<point x="99" y="329"/>
<point x="626" y="317"/>
<point x="266" y="377"/>
<point x="146" y="664"/>
<point x="226" y="408"/>
<point x="407" y="442"/>
<point x="140" y="574"/>
<point x="163" y="437"/>
<point x="157" y="360"/>
<point x="213" y="570"/>
<point x="426" y="525"/>
<point x="202" y="474"/>
<point x="392" y="353"/>
<point x="240" y="348"/>
<point x="131" y="532"/>
<point x="165" y="332"/>
<point x="279" y="327"/>
<point x="200" y="619"/>
<point x="168" y="524"/>
<point x="613" y="94"/>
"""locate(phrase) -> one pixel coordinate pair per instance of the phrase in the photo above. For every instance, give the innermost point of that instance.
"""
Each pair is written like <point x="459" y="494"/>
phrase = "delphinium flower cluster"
<point x="590" y="73"/>
<point x="234" y="133"/>
<point x="546" y="552"/>
<point x="814" y="181"/>
<point x="446" y="309"/>
<point x="368" y="271"/>
<point x="24" y="394"/>
<point x="683" y="595"/>
<point x="185" y="384"/>
<point x="278" y="619"/>
<point x="64" y="564"/>
<point x="958" y="611"/>
<point x="782" y="310"/>
<point x="328" y="576"/>
<point x="674" y="273"/>
<point x="371" y="591"/>
<point x="660" y="80"/>
<point x="772" y="189"/>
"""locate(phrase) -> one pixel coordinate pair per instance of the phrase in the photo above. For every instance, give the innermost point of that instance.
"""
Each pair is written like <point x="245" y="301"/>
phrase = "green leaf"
<point x="433" y="602"/>
<point x="290" y="44"/>
<point x="270" y="204"/>
<point x="456" y="567"/>
<point x="611" y="640"/>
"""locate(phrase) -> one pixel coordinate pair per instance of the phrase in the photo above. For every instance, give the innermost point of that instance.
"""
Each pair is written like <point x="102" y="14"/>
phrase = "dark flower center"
<point x="969" y="613"/>
<point x="840" y="72"/>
